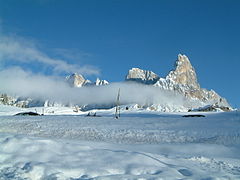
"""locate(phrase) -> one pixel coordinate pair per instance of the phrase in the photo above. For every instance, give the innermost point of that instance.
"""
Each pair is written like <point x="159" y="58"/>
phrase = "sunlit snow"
<point x="141" y="144"/>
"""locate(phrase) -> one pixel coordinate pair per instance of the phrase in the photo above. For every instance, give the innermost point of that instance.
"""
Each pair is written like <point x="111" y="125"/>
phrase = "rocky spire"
<point x="184" y="74"/>
<point x="181" y="79"/>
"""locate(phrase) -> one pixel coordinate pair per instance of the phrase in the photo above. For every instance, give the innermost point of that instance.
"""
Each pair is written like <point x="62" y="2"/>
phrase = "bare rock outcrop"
<point x="76" y="80"/>
<point x="142" y="76"/>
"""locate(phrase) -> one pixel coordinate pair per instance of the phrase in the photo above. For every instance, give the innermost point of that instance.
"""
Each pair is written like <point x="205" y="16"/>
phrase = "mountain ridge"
<point x="182" y="79"/>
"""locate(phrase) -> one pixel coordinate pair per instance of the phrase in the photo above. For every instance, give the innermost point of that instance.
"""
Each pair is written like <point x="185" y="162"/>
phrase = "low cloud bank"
<point x="17" y="82"/>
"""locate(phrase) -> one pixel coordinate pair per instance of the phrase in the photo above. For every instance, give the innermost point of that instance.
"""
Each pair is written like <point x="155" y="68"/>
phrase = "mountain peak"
<point x="182" y="57"/>
<point x="76" y="80"/>
<point x="99" y="82"/>
<point x="183" y="61"/>
<point x="184" y="73"/>
<point x="143" y="76"/>
<point x="182" y="79"/>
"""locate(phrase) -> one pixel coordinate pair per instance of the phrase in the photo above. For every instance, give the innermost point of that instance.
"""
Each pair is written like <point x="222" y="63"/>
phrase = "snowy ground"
<point x="139" y="145"/>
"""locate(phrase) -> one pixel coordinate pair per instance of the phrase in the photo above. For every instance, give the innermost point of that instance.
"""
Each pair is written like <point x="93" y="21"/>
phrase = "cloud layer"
<point x="17" y="49"/>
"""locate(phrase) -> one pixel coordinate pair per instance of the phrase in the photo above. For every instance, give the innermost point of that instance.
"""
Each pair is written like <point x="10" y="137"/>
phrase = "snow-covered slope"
<point x="30" y="158"/>
<point x="139" y="145"/>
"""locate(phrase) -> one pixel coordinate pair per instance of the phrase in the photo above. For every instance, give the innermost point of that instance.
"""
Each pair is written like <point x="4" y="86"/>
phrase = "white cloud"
<point x="22" y="50"/>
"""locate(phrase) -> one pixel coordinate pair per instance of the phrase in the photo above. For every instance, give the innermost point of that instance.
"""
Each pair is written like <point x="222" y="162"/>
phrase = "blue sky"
<point x="113" y="36"/>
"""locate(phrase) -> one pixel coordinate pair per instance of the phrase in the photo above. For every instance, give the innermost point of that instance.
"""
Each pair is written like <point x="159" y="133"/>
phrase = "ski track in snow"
<point x="136" y="146"/>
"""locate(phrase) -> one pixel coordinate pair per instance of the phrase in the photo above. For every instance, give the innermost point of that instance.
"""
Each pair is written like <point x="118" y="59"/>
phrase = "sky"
<point x="106" y="38"/>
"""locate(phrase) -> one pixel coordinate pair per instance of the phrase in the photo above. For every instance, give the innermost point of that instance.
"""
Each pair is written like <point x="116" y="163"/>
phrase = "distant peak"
<point x="99" y="82"/>
<point x="76" y="80"/>
<point x="142" y="76"/>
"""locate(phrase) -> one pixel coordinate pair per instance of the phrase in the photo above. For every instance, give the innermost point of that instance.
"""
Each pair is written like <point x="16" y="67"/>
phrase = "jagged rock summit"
<point x="142" y="76"/>
<point x="100" y="82"/>
<point x="77" y="80"/>
<point x="184" y="74"/>
<point x="181" y="79"/>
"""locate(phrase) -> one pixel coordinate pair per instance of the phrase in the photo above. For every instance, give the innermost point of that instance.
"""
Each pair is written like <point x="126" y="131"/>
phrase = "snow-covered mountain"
<point x="77" y="80"/>
<point x="100" y="82"/>
<point x="143" y="76"/>
<point x="181" y="79"/>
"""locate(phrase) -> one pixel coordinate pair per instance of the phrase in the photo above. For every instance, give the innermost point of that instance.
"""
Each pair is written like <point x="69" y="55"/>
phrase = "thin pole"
<point x="117" y="113"/>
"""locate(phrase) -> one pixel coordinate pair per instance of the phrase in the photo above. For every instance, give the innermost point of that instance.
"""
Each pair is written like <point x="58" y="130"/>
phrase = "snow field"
<point x="139" y="145"/>
<point x="217" y="128"/>
<point x="39" y="158"/>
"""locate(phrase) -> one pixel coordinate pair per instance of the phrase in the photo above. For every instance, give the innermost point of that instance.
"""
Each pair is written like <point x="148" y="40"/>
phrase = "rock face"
<point x="182" y="79"/>
<point x="77" y="80"/>
<point x="184" y="74"/>
<point x="143" y="76"/>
